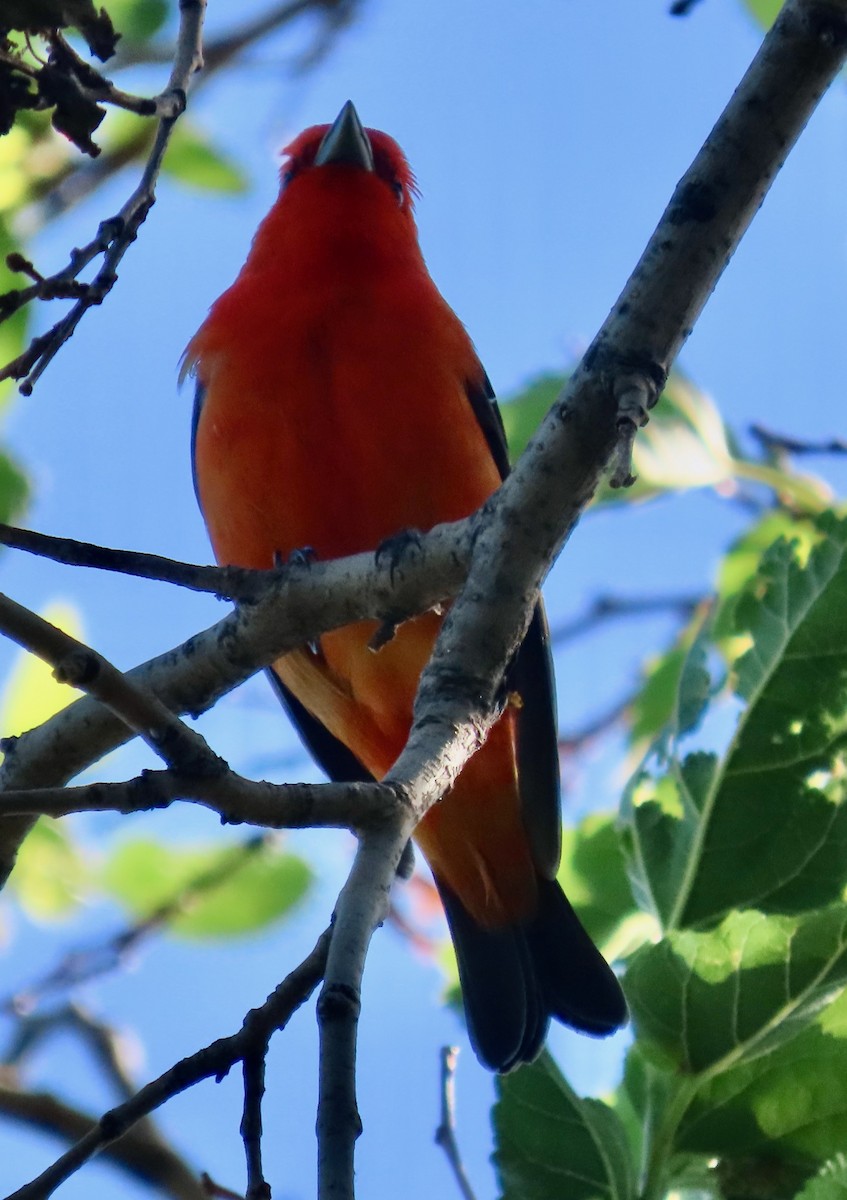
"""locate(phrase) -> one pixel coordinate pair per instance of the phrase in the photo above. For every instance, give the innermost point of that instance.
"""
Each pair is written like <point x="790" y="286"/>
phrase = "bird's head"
<point x="346" y="146"/>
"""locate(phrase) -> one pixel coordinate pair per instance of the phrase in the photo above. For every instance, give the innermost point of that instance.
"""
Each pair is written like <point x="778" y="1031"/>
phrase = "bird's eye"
<point x="397" y="188"/>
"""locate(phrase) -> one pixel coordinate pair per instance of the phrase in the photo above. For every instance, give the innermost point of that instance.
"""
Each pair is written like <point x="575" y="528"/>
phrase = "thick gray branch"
<point x="530" y="518"/>
<point x="528" y="521"/>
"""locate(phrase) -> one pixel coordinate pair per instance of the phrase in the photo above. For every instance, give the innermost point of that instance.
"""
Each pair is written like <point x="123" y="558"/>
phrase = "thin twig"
<point x="62" y="192"/>
<point x="115" y="235"/>
<point x="570" y="742"/>
<point x="681" y="8"/>
<point x="605" y="608"/>
<point x="445" y="1134"/>
<point x="253" y="1073"/>
<point x="217" y="1190"/>
<point x="100" y="1038"/>
<point x="107" y="1049"/>
<point x="771" y="441"/>
<point x="212" y="1062"/>
<point x="83" y="965"/>
<point x="227" y="583"/>
<point x="97" y="88"/>
<point x="236" y="799"/>
<point x="147" y="1159"/>
<point x="224" y="49"/>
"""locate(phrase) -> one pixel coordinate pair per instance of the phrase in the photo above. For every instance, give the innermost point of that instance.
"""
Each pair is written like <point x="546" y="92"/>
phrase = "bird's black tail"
<point x="515" y="979"/>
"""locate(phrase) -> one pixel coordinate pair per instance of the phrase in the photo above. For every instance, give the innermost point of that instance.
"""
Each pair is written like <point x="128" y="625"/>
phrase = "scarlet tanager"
<point x="340" y="402"/>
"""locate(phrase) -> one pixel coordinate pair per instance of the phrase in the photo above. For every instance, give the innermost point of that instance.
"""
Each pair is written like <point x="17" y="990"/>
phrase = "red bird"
<point x="340" y="402"/>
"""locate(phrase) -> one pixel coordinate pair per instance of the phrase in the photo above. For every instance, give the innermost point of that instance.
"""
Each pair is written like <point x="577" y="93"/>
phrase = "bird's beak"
<point x="346" y="142"/>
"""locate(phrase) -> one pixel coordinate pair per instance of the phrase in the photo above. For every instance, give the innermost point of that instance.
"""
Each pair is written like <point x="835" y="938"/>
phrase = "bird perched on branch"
<point x="340" y="402"/>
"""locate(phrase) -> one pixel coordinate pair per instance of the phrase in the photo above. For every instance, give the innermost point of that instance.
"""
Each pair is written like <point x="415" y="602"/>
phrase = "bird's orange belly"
<point x="329" y="477"/>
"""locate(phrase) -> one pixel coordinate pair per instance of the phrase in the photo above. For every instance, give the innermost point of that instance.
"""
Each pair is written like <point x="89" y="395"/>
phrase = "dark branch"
<point x="779" y="442"/>
<point x="115" y="235"/>
<point x="143" y="1156"/>
<point x="227" y="583"/>
<point x="212" y="1062"/>
<point x="604" y="609"/>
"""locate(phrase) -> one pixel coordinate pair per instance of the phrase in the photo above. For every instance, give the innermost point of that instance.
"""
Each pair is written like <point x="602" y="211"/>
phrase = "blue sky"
<point x="546" y="138"/>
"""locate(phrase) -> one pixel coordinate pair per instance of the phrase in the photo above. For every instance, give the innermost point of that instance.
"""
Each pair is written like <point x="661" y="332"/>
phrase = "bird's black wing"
<point x="199" y="396"/>
<point x="531" y="676"/>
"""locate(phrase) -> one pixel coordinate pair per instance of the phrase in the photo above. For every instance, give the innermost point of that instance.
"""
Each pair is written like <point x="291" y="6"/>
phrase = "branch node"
<point x="635" y="396"/>
<point x="79" y="668"/>
<point x="338" y="1002"/>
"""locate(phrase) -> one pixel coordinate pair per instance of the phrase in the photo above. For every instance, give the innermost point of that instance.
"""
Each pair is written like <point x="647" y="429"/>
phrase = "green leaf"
<point x="830" y="1183"/>
<point x="744" y="559"/>
<point x="594" y="876"/>
<point x="764" y="12"/>
<point x="51" y="876"/>
<point x="523" y="413"/>
<point x="791" y="1104"/>
<point x="710" y="1001"/>
<point x="216" y="891"/>
<point x="550" y="1143"/>
<point x="653" y="707"/>
<point x="14" y="489"/>
<point x="763" y="824"/>
<point x="194" y="160"/>
<point x="138" y="20"/>
<point x="646" y="1090"/>
<point x="13" y="331"/>
<point x="788" y="1106"/>
<point x="660" y="814"/>
<point x="684" y="445"/>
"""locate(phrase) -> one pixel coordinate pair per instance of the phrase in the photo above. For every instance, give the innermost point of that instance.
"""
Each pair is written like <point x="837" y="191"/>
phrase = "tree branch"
<point x="606" y="608"/>
<point x="212" y="1062"/>
<point x="236" y="799"/>
<point x="780" y="443"/>
<point x="228" y="583"/>
<point x="84" y="964"/>
<point x="143" y="1156"/>
<point x="144" y="1152"/>
<point x="78" y="181"/>
<point x="115" y="235"/>
<point x="445" y="1134"/>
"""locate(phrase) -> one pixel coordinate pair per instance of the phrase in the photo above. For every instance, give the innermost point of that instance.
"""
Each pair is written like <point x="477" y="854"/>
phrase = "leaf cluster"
<point x="732" y="838"/>
<point x="62" y="83"/>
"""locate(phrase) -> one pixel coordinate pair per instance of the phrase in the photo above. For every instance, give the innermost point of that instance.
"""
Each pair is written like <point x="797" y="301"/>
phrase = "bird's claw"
<point x="304" y="556"/>
<point x="394" y="548"/>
